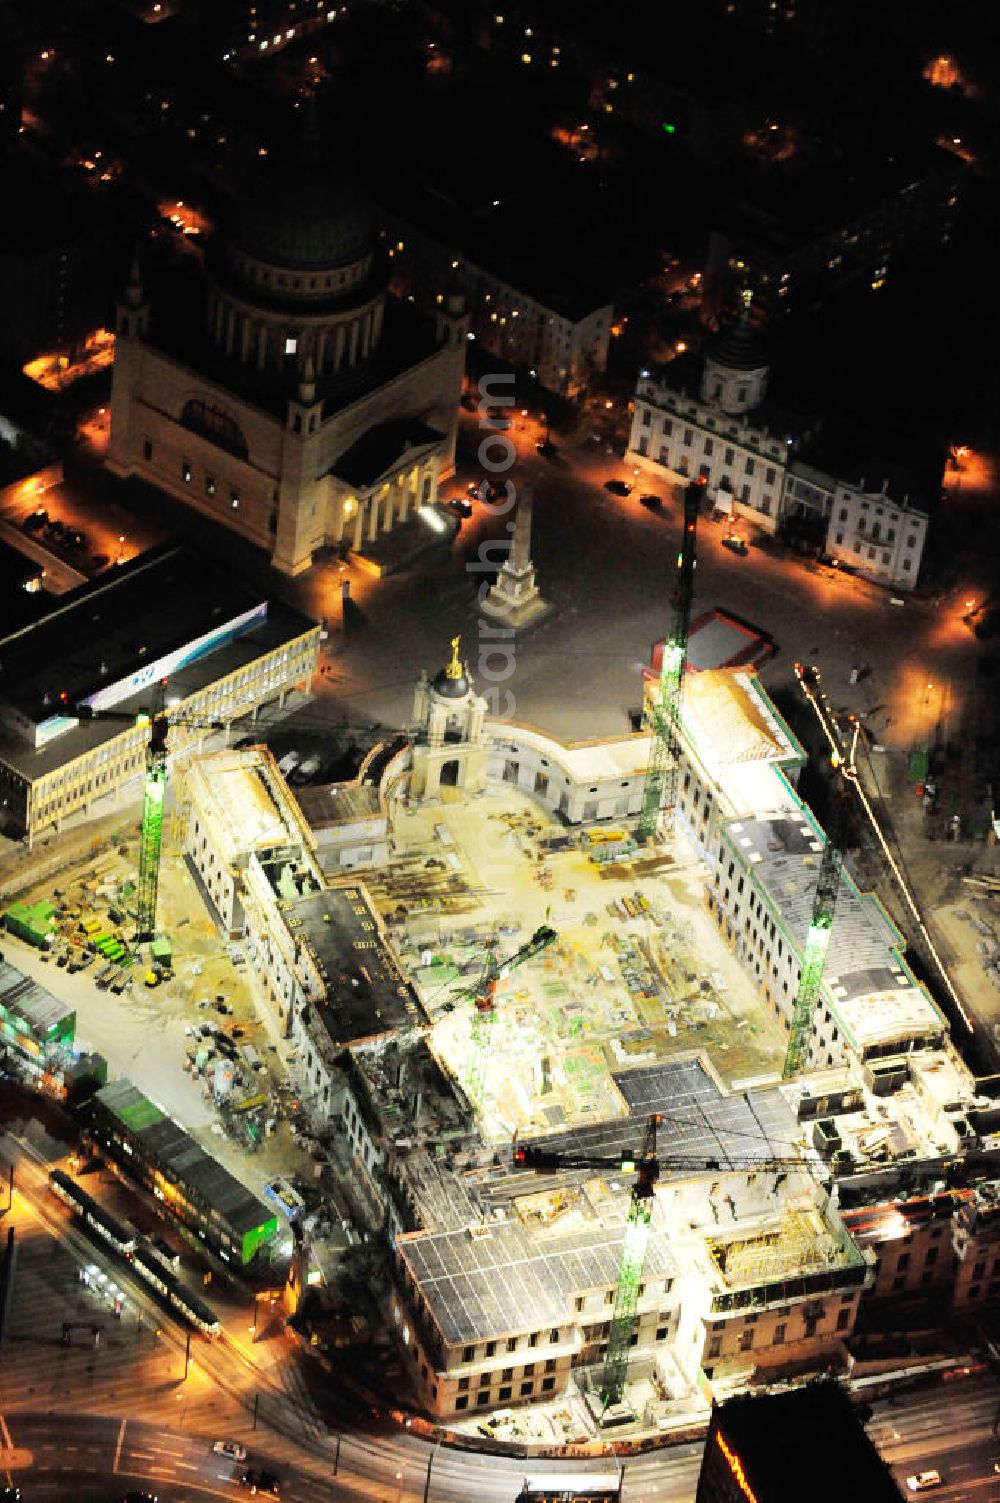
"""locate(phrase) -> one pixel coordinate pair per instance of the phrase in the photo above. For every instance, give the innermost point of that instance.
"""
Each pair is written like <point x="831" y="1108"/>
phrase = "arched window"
<point x="215" y="425"/>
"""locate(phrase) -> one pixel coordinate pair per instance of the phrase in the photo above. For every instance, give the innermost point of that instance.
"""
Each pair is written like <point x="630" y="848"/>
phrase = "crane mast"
<point x="151" y="834"/>
<point x="646" y="1167"/>
<point x="659" y="794"/>
<point x="484" y="1010"/>
<point x="814" y="958"/>
<point x="637" y="1223"/>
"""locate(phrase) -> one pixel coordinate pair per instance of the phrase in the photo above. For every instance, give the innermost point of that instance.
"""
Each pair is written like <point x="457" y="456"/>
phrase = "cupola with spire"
<point x="736" y="365"/>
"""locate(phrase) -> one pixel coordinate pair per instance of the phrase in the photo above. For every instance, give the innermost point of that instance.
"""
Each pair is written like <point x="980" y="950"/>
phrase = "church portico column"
<point x="321" y="352"/>
<point x="366" y="329"/>
<point x="338" y="354"/>
<point x="373" y="518"/>
<point x="359" y="515"/>
<point x="405" y="496"/>
<point x="355" y="333"/>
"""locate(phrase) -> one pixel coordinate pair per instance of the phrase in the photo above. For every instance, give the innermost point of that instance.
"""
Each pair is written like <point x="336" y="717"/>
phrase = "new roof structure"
<point x="505" y="1279"/>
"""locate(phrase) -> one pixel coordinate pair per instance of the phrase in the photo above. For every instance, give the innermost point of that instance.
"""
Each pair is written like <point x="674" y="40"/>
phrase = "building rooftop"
<point x="26" y="999"/>
<point x="585" y="761"/>
<point x="178" y="330"/>
<point x="366" y="994"/>
<point x="717" y="639"/>
<point x="876" y="999"/>
<point x="815" y="1424"/>
<point x="156" y="617"/>
<point x="699" y="1124"/>
<point x="489" y="1281"/>
<point x="332" y="804"/>
<point x="244" y="809"/>
<point x="181" y="1158"/>
<point x="741" y="740"/>
<point x="682" y="376"/>
<point x="380" y="448"/>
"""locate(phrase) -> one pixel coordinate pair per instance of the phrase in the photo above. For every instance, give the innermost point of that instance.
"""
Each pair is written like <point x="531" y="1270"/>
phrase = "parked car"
<point x="736" y="544"/>
<point x="100" y="561"/>
<point x="921" y="1481"/>
<point x="230" y="1448"/>
<point x="651" y="502"/>
<point x="618" y="487"/>
<point x="459" y="504"/>
<point x="36" y="521"/>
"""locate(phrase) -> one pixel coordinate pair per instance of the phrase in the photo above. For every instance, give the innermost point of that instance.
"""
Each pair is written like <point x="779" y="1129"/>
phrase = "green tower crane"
<point x="646" y="1166"/>
<point x="814" y="957"/>
<point x="484" y="1009"/>
<point x="153" y="798"/>
<point x="659" y="794"/>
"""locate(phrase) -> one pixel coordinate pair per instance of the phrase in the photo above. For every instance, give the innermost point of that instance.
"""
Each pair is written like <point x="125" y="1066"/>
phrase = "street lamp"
<point x="121" y="548"/>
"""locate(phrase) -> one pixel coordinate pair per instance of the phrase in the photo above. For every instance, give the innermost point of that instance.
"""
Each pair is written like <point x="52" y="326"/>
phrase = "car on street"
<point x="920" y="1482"/>
<point x="230" y="1448"/>
<point x="100" y="560"/>
<point x="651" y="502"/>
<point x="459" y="504"/>
<point x="546" y="450"/>
<point x="36" y="521"/>
<point x="736" y="544"/>
<point x="618" y="487"/>
<point x="261" y="1482"/>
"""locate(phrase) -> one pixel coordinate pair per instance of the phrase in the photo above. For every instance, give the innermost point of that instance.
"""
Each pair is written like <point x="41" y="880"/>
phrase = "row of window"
<point x="511" y="1344"/>
<point x="525" y="1391"/>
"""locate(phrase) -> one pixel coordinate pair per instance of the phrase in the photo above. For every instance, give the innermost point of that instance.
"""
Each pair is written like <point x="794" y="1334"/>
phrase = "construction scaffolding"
<point x="796" y="1242"/>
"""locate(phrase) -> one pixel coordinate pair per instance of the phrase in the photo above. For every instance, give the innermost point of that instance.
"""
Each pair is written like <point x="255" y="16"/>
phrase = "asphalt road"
<point x="949" y="1428"/>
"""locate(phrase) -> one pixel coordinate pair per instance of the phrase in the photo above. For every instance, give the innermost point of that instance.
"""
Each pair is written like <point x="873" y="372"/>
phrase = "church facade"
<point x="298" y="405"/>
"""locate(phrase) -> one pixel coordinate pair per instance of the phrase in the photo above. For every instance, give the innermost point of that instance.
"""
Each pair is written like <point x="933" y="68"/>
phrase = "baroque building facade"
<point x="299" y="405"/>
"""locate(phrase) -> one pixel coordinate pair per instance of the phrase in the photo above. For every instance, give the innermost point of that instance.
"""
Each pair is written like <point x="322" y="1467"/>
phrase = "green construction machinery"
<point x="646" y="1166"/>
<point x="659" y="794"/>
<point x="484" y="1010"/>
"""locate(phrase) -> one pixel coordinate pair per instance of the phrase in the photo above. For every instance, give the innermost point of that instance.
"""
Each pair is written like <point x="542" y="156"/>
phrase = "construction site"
<point x="589" y="1041"/>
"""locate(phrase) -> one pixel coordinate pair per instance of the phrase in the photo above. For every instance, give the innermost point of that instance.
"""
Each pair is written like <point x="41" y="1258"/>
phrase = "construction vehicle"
<point x="484" y="1009"/>
<point x="659" y="794"/>
<point x="646" y="1166"/>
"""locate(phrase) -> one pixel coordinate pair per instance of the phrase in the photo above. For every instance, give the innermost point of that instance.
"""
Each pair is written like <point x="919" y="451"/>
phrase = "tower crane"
<point x="646" y="1166"/>
<point x="814" y="958"/>
<point x="821" y="925"/>
<point x="159" y="721"/>
<point x="484" y="1010"/>
<point x="659" y="794"/>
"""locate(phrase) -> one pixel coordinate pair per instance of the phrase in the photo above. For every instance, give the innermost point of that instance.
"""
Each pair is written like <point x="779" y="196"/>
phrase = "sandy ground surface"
<point x="614" y="992"/>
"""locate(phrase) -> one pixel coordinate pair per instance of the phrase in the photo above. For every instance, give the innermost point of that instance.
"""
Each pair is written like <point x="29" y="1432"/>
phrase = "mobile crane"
<point x="646" y="1166"/>
<point x="659" y="794"/>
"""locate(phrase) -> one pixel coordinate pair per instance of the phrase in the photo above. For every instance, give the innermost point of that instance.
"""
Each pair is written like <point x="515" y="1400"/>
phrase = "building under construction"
<point x="669" y="985"/>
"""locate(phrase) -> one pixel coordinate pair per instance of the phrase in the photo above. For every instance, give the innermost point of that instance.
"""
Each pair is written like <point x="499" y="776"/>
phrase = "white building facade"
<point x="304" y="409"/>
<point x="753" y="471"/>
